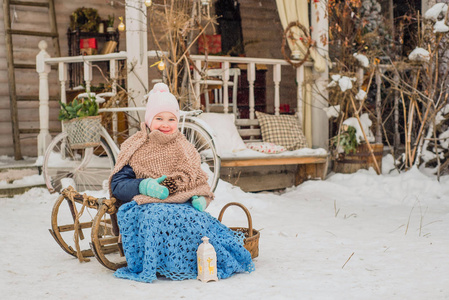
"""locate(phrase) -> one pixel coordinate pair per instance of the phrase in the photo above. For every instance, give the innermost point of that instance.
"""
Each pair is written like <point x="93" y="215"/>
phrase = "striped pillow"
<point x="283" y="130"/>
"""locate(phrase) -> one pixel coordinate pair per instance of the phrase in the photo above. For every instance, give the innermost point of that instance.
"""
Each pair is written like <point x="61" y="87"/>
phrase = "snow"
<point x="249" y="153"/>
<point x="440" y="26"/>
<point x="332" y="111"/>
<point x="344" y="82"/>
<point x="351" y="236"/>
<point x="434" y="12"/>
<point x="366" y="124"/>
<point x="419" y="54"/>
<point x="362" y="59"/>
<point x="361" y="95"/>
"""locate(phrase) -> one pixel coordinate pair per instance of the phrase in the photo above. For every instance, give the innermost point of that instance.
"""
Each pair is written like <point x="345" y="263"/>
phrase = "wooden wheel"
<point x="63" y="226"/>
<point x="105" y="239"/>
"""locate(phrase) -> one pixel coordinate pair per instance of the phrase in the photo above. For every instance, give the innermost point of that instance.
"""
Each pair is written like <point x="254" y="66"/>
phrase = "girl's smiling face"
<point x="165" y="122"/>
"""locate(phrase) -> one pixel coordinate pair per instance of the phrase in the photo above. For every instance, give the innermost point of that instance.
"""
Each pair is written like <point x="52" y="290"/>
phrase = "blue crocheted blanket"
<point x="161" y="238"/>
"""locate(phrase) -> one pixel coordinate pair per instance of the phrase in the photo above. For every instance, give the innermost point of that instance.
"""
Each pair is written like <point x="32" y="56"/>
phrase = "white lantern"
<point x="207" y="261"/>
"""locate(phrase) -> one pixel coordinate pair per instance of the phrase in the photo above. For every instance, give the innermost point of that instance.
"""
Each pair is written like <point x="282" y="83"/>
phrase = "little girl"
<point x="163" y="191"/>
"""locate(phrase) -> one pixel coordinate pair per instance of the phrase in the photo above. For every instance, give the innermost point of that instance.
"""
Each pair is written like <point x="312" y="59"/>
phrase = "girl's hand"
<point x="199" y="202"/>
<point x="151" y="187"/>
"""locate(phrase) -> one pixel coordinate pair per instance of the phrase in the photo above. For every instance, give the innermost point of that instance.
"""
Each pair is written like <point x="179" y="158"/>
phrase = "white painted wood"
<point x="62" y="71"/>
<point x="44" y="137"/>
<point x="136" y="45"/>
<point x="277" y="81"/>
<point x="320" y="34"/>
<point x="245" y="60"/>
<point x="87" y="69"/>
<point x="299" y="95"/>
<point x="114" y="76"/>
<point x="251" y="78"/>
<point x="225" y="78"/>
<point x="246" y="122"/>
<point x="196" y="85"/>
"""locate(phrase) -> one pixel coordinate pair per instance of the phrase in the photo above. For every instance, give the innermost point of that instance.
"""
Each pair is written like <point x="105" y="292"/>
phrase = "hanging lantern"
<point x="161" y="65"/>
<point x="207" y="261"/>
<point x="148" y="3"/>
<point x="121" y="26"/>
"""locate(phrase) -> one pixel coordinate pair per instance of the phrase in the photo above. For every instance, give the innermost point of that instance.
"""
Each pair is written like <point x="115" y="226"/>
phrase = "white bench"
<point x="261" y="172"/>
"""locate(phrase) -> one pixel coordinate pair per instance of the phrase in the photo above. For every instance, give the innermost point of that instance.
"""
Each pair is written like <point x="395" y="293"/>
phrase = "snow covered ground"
<point x="357" y="236"/>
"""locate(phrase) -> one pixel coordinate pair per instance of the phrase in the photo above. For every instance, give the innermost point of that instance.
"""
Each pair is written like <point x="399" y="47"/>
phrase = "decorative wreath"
<point x="306" y="37"/>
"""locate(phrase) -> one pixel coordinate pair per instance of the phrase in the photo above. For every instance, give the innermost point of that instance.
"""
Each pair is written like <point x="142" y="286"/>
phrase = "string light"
<point x="148" y="3"/>
<point x="161" y="65"/>
<point x="121" y="26"/>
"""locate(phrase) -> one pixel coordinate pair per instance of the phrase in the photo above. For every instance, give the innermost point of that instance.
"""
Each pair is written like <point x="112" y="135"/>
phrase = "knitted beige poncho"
<point x="156" y="154"/>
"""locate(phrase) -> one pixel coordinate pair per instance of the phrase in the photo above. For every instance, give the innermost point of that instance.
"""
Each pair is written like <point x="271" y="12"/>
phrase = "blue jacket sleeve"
<point x="124" y="185"/>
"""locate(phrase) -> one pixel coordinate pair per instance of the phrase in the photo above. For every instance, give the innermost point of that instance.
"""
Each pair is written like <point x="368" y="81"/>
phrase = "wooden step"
<point x="29" y="3"/>
<point x="32" y="33"/>
<point x="12" y="172"/>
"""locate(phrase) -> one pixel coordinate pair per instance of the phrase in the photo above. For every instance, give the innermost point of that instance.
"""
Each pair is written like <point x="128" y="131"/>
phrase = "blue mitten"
<point x="152" y="188"/>
<point x="199" y="202"/>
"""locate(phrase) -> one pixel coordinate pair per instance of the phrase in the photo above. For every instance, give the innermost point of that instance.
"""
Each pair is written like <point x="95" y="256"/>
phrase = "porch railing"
<point x="44" y="61"/>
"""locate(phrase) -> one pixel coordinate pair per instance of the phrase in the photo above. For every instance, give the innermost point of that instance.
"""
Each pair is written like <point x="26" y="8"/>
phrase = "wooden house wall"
<point x="260" y="23"/>
<point x="27" y="82"/>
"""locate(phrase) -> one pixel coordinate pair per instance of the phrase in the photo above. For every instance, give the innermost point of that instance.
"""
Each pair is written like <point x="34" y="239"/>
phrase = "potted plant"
<point x="110" y="23"/>
<point x="81" y="122"/>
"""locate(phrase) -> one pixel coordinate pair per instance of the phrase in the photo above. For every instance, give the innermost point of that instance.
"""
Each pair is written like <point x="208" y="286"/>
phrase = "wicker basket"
<point x="83" y="132"/>
<point x="251" y="240"/>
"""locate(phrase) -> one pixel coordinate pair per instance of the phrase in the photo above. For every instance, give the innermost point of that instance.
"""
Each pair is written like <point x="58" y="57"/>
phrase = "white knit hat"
<point x="159" y="100"/>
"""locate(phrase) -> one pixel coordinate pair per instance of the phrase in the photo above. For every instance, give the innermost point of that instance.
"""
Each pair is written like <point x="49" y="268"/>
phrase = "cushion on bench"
<point x="227" y="138"/>
<point x="283" y="130"/>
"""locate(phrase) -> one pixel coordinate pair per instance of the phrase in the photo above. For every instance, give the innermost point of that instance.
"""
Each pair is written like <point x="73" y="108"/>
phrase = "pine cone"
<point x="170" y="184"/>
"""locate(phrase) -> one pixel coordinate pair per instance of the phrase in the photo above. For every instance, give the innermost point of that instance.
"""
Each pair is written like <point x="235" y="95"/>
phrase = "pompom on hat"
<point x="160" y="100"/>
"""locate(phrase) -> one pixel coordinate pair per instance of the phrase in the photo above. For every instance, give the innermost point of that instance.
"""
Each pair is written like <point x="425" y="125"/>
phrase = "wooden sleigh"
<point x="97" y="216"/>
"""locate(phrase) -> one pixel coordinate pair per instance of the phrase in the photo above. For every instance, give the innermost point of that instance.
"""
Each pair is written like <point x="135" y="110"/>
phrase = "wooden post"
<point x="43" y="69"/>
<point x="251" y="78"/>
<point x="299" y="95"/>
<point x="113" y="75"/>
<point x="320" y="122"/>
<point x="136" y="51"/>
<point x="277" y="80"/>
<point x="62" y="71"/>
<point x="225" y="78"/>
<point x="87" y="75"/>
<point x="196" y="87"/>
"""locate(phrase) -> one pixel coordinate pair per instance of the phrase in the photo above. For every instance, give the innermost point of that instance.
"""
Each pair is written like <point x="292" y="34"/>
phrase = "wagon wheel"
<point x="63" y="226"/>
<point x="105" y="239"/>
